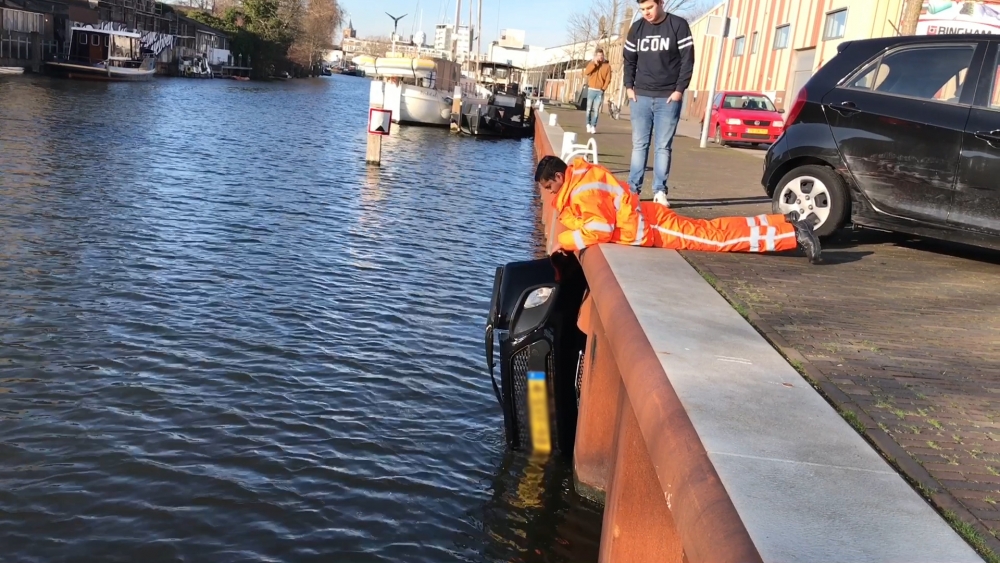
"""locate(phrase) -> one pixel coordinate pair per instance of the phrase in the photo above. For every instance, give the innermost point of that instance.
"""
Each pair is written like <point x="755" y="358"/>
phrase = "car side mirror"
<point x="781" y="110"/>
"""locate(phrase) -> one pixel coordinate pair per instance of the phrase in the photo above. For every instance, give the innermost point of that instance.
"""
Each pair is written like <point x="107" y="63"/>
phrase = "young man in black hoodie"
<point x="659" y="62"/>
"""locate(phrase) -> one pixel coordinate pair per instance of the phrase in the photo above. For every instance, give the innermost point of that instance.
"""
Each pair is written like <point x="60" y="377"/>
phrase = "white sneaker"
<point x="661" y="198"/>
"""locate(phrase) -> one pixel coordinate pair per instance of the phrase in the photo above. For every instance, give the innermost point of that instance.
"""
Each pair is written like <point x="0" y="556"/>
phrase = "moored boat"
<point x="10" y="70"/>
<point x="417" y="90"/>
<point x="100" y="54"/>
<point x="503" y="115"/>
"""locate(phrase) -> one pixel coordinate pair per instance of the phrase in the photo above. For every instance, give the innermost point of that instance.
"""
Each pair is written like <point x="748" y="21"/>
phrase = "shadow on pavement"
<point x="850" y="238"/>
<point x="718" y="202"/>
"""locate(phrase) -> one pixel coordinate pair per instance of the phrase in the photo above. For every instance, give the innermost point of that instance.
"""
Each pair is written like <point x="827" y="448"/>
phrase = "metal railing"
<point x="15" y="46"/>
<point x="18" y="49"/>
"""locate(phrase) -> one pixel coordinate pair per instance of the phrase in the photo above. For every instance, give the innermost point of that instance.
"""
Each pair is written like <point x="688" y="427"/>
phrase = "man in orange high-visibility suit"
<point x="594" y="207"/>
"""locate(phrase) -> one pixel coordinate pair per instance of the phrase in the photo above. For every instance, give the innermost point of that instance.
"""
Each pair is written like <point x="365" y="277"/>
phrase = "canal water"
<point x="224" y="338"/>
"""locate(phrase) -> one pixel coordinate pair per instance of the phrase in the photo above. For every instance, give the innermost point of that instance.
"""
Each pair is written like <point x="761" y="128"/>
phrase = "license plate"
<point x="753" y="131"/>
<point x="538" y="413"/>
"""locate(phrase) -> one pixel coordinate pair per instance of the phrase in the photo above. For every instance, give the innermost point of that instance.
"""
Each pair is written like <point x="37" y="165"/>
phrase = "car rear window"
<point x="931" y="73"/>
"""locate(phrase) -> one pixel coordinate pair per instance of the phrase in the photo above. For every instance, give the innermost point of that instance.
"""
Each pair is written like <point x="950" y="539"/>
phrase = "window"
<point x="929" y="73"/>
<point x="738" y="46"/>
<point x="83" y="39"/>
<point x="753" y="43"/>
<point x="748" y="102"/>
<point x="995" y="96"/>
<point x="19" y="20"/>
<point x="836" y="25"/>
<point x="95" y="40"/>
<point x="781" y="37"/>
<point x="717" y="101"/>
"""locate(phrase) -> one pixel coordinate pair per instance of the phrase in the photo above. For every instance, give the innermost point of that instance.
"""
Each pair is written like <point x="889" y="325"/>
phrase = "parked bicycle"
<point x="614" y="110"/>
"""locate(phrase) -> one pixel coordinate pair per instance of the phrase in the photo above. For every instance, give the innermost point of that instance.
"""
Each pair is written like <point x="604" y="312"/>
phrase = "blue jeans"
<point x="594" y="100"/>
<point x="648" y="114"/>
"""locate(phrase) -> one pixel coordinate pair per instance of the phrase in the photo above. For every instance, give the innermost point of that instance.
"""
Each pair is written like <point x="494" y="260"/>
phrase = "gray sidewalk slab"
<point x="806" y="485"/>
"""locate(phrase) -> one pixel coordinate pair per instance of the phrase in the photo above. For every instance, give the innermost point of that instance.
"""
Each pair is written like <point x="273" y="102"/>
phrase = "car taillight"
<point x="800" y="102"/>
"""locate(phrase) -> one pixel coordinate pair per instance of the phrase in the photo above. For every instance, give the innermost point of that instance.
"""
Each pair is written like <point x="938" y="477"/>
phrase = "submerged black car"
<point x="899" y="133"/>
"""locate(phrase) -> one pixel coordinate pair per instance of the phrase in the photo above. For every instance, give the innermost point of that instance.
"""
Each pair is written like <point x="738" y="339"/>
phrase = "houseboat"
<point x="100" y="54"/>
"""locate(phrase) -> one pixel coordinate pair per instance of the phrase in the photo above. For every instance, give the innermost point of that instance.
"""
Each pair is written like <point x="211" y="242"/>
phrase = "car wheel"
<point x="718" y="136"/>
<point x="817" y="194"/>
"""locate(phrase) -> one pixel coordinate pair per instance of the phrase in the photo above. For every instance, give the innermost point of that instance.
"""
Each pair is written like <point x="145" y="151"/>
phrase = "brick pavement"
<point x="903" y="333"/>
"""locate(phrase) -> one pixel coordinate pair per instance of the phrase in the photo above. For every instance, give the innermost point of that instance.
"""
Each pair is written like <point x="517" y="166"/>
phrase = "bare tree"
<point x="697" y="9"/>
<point x="376" y="46"/>
<point x="318" y="21"/>
<point x="682" y="7"/>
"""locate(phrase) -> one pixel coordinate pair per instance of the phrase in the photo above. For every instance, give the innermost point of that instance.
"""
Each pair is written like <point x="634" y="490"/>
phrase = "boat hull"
<point x="423" y="106"/>
<point x="10" y="70"/>
<point x="506" y="120"/>
<point x="114" y="74"/>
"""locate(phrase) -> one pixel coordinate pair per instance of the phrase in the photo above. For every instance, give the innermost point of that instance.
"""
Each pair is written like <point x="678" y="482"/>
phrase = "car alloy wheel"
<point x="809" y="197"/>
<point x="718" y="136"/>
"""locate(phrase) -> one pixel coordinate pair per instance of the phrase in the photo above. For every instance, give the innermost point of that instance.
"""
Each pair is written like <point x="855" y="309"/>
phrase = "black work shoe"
<point x="808" y="241"/>
<point x="792" y="216"/>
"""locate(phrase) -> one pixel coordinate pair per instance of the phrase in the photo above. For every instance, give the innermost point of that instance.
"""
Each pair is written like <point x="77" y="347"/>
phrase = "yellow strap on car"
<point x="538" y="413"/>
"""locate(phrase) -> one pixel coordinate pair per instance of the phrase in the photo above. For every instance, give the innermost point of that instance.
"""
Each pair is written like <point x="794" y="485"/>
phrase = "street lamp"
<point x="703" y="142"/>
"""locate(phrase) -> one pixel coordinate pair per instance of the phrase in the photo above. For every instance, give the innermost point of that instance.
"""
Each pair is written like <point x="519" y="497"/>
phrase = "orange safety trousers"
<point x="763" y="233"/>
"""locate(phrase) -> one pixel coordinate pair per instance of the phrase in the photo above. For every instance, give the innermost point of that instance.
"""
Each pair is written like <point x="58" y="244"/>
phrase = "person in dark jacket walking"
<point x="659" y="63"/>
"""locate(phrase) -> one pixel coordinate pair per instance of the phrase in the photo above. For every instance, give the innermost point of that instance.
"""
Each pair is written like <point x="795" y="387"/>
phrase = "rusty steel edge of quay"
<point x="662" y="502"/>
<point x="599" y="442"/>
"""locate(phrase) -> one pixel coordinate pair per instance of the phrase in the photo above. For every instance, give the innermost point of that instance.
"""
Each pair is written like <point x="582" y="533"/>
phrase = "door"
<point x="976" y="205"/>
<point x="899" y="124"/>
<point x="802" y="71"/>
<point x="716" y="103"/>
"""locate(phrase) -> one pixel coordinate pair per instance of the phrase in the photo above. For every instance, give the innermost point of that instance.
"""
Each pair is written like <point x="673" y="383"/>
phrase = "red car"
<point x="745" y="117"/>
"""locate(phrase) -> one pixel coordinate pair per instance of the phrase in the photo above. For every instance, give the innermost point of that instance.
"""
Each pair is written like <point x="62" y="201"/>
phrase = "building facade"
<point x="463" y="43"/>
<point x="775" y="46"/>
<point x="443" y="35"/>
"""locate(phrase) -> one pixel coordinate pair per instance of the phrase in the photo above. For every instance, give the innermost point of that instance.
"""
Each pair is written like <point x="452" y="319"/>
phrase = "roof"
<point x="499" y="65"/>
<point x="109" y="32"/>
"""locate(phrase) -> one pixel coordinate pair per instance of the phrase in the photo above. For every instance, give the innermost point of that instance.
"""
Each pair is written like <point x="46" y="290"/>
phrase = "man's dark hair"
<point x="599" y="50"/>
<point x="548" y="167"/>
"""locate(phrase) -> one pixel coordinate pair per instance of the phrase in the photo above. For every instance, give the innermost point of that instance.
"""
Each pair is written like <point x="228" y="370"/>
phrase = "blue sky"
<point x="544" y="21"/>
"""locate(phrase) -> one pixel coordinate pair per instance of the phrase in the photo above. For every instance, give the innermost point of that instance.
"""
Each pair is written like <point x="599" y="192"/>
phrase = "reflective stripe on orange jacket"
<point x="763" y="233"/>
<point x="594" y="207"/>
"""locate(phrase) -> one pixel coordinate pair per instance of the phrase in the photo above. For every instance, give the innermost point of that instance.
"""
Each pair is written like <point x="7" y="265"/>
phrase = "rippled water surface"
<point x="224" y="338"/>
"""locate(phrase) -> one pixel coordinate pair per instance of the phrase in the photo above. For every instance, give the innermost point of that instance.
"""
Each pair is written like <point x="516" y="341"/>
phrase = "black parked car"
<point x="901" y="134"/>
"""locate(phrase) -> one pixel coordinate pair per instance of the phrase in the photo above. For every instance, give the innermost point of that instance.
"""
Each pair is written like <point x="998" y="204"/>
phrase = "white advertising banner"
<point x="949" y="17"/>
